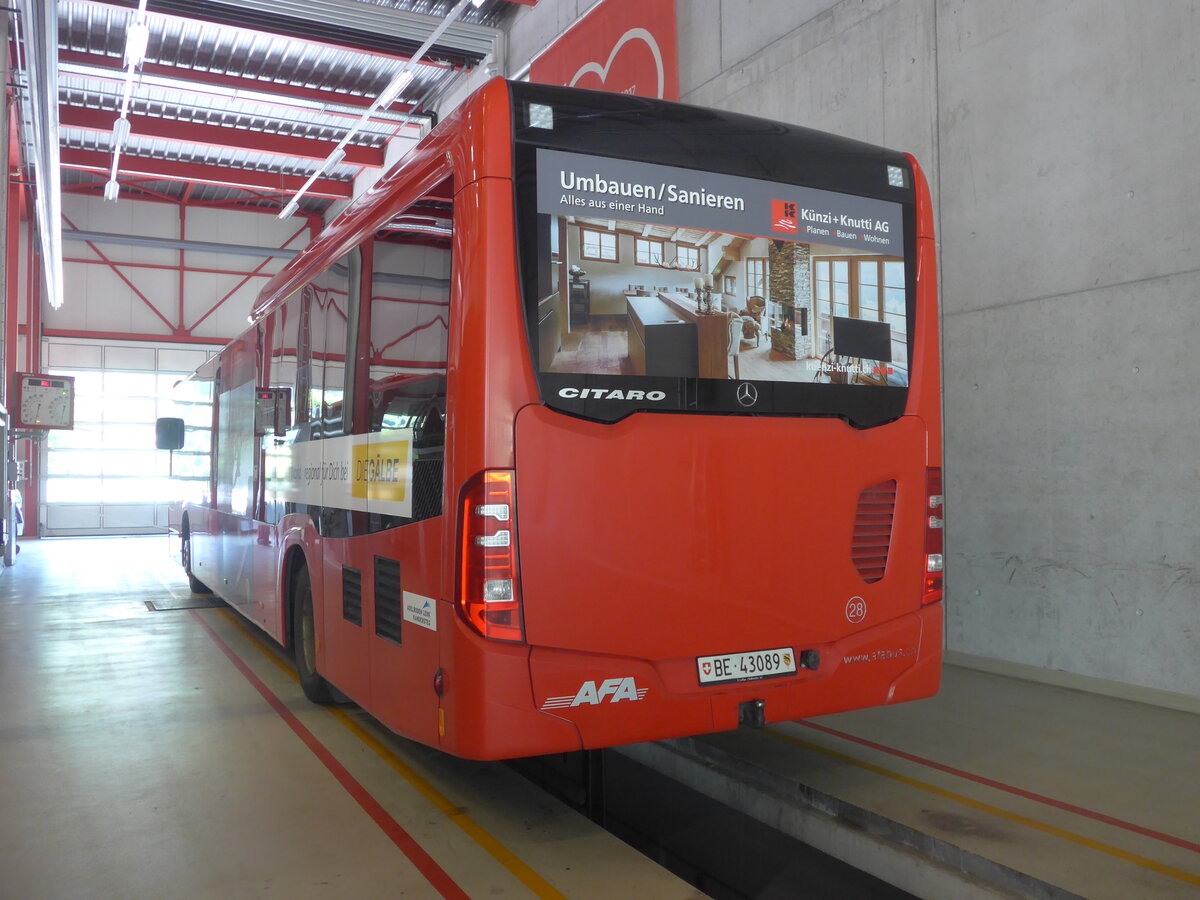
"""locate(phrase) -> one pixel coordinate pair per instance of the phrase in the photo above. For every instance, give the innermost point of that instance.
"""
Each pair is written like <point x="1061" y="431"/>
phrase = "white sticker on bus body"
<point x="420" y="610"/>
<point x="590" y="694"/>
<point x="363" y="472"/>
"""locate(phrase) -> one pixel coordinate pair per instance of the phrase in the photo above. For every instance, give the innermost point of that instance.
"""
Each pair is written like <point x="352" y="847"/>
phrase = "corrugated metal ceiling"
<point x="395" y="27"/>
<point x="238" y="81"/>
<point x="203" y="46"/>
<point x="89" y="89"/>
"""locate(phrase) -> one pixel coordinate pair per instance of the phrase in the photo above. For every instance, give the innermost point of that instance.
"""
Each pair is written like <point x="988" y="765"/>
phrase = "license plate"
<point x="752" y="666"/>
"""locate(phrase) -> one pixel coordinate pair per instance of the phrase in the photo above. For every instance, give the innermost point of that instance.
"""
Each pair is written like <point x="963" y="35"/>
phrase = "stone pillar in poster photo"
<point x="790" y="278"/>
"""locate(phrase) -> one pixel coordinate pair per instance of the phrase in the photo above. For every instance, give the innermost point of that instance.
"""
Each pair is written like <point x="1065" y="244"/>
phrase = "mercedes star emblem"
<point x="747" y="394"/>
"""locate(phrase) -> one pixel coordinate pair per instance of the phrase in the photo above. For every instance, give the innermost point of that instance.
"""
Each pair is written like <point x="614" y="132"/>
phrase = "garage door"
<point x="105" y="476"/>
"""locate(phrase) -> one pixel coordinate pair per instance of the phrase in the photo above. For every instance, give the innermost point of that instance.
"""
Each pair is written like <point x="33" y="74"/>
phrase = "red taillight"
<point x="935" y="520"/>
<point x="489" y="595"/>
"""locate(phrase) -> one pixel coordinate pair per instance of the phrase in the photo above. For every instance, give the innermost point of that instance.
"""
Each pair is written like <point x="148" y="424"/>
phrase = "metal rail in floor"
<point x="997" y="787"/>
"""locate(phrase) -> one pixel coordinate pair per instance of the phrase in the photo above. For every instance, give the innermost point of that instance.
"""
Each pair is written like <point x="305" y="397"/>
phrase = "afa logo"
<point x="783" y="217"/>
<point x="611" y="690"/>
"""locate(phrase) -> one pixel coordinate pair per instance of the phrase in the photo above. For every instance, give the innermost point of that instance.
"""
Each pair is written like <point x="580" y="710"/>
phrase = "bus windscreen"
<point x="662" y="287"/>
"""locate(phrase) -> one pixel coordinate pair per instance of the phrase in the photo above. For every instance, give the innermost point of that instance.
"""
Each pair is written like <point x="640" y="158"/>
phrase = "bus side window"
<point x="408" y="336"/>
<point x="284" y="340"/>
<point x="237" y="455"/>
<point x="334" y="301"/>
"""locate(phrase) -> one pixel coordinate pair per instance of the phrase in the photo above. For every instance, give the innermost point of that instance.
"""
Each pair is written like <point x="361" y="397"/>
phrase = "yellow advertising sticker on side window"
<point x="362" y="472"/>
<point x="380" y="471"/>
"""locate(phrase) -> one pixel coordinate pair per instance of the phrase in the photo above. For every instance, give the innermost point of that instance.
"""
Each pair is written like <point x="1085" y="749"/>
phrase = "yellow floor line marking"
<point x="1142" y="861"/>
<point x="522" y="872"/>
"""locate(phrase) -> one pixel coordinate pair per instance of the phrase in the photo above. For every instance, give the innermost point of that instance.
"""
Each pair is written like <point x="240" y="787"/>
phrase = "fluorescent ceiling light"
<point x="402" y="78"/>
<point x="136" y="42"/>
<point x="392" y="91"/>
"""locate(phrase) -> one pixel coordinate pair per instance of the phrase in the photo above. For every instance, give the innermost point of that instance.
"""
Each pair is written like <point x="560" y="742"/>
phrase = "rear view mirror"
<point x="168" y="433"/>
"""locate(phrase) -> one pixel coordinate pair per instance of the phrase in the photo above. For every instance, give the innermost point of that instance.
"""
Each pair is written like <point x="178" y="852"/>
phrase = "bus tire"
<point x="197" y="586"/>
<point x="304" y="640"/>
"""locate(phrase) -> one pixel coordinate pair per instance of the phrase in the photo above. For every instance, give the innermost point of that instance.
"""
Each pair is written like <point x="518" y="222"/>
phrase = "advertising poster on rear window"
<point x="662" y="271"/>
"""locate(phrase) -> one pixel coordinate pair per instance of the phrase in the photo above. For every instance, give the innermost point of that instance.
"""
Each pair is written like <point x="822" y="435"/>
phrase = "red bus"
<point x="597" y="420"/>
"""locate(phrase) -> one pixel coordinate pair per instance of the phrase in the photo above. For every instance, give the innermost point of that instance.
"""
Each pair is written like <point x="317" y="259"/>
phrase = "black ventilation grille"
<point x="873" y="530"/>
<point x="352" y="595"/>
<point x="389" y="604"/>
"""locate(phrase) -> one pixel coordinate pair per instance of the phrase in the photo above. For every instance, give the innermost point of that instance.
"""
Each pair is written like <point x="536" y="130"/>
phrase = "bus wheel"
<point x="304" y="640"/>
<point x="197" y="586"/>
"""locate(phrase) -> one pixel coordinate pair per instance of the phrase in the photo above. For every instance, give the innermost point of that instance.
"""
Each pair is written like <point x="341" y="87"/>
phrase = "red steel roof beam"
<point x="100" y="120"/>
<point x="233" y="82"/>
<point x="201" y="173"/>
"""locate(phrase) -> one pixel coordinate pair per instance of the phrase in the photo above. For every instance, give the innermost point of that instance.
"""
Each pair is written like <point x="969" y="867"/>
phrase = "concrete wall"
<point x="1060" y="140"/>
<point x="1070" y="252"/>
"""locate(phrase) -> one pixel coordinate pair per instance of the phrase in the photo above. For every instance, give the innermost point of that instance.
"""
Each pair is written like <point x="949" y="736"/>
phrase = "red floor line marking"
<point x="435" y="874"/>
<point x="1028" y="795"/>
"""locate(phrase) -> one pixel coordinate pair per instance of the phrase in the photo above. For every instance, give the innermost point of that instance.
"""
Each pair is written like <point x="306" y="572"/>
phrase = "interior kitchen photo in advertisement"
<point x="665" y="294"/>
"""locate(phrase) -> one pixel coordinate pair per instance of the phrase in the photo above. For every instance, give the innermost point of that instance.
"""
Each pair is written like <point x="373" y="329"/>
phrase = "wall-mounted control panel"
<point x="44" y="401"/>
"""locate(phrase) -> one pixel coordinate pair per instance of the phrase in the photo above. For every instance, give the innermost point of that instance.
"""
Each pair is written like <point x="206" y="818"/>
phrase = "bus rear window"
<point x="667" y="288"/>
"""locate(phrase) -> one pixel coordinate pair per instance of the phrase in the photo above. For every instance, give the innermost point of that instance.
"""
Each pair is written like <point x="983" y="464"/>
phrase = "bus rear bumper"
<point x="487" y="710"/>
<point x="614" y="700"/>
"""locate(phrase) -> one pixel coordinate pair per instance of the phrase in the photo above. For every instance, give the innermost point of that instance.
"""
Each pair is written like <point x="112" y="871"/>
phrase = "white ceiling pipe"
<point x="389" y="93"/>
<point x="39" y="19"/>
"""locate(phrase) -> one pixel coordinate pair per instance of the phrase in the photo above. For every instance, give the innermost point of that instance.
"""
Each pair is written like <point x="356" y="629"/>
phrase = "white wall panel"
<point x="133" y="358"/>
<point x="126" y="216"/>
<point x="74" y="519"/>
<point x="129" y="519"/>
<point x="99" y="299"/>
<point x="175" y="359"/>
<point x="252" y="229"/>
<point x="84" y="356"/>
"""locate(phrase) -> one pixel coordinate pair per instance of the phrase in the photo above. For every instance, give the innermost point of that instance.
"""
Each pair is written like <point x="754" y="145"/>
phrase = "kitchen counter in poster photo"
<point x="804" y="285"/>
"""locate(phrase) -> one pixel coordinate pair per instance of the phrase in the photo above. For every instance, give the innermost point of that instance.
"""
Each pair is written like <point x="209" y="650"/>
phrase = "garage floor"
<point x="171" y="754"/>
